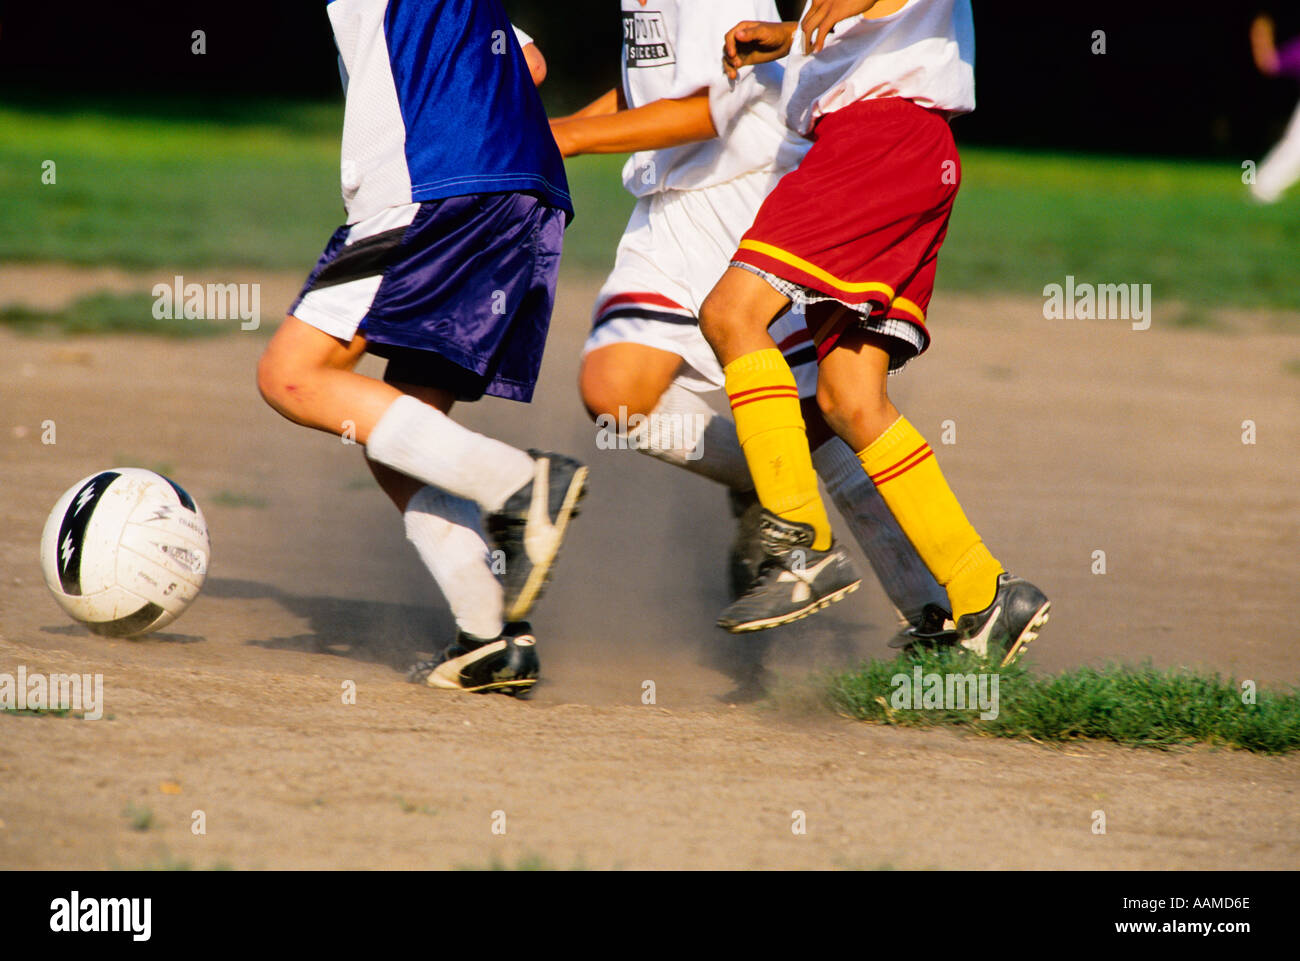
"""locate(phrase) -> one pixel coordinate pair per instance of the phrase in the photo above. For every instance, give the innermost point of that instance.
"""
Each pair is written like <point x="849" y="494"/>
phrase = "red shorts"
<point x="862" y="219"/>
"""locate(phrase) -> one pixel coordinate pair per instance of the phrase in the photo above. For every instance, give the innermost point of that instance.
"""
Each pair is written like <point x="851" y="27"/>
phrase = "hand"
<point x="755" y="41"/>
<point x="824" y="14"/>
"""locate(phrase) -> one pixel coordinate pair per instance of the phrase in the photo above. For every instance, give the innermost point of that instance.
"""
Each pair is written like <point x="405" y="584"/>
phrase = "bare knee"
<point x="713" y="318"/>
<point x="609" y="390"/>
<point x="275" y="381"/>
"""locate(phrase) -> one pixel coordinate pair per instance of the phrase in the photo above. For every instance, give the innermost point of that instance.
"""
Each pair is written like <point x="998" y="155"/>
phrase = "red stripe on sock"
<point x="900" y="473"/>
<point x="775" y="395"/>
<point x="900" y="462"/>
<point x="755" y="390"/>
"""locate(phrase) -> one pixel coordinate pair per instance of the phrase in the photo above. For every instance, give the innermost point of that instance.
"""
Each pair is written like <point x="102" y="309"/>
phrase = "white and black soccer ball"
<point x="125" y="551"/>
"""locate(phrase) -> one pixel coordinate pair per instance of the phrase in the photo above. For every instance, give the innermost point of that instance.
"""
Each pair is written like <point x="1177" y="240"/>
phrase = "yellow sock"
<point x="765" y="402"/>
<point x="903" y="468"/>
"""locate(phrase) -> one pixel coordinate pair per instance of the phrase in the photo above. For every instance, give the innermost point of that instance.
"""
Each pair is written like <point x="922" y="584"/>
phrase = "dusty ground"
<point x="1072" y="437"/>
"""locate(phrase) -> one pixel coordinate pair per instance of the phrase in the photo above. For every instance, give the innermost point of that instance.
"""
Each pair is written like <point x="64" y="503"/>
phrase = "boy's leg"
<point x="917" y="598"/>
<point x="987" y="604"/>
<point x="308" y="377"/>
<point x="803" y="570"/>
<point x="626" y="380"/>
<point x="764" y="399"/>
<point x="447" y="533"/>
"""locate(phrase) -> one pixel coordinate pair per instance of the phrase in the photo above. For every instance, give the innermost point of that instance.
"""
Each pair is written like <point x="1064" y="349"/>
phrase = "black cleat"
<point x="793" y="580"/>
<point x="530" y="528"/>
<point x="746" y="552"/>
<point x="936" y="629"/>
<point x="1013" y="619"/>
<point x="507" y="664"/>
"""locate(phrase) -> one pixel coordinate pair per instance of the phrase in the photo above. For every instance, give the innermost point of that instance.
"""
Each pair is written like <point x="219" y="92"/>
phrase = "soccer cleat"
<point x="1013" y="619"/>
<point x="793" y="580"/>
<point x="746" y="552"/>
<point x="530" y="528"/>
<point x="507" y="664"/>
<point x="936" y="629"/>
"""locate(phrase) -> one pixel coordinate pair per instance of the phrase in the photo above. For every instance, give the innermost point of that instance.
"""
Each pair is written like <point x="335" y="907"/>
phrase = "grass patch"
<point x="141" y="818"/>
<point x="1196" y="317"/>
<point x="1292" y="367"/>
<point x="164" y="467"/>
<point x="525" y="862"/>
<point x="410" y="807"/>
<point x="226" y="498"/>
<point x="220" y="183"/>
<point x="105" y="313"/>
<point x="1133" y="706"/>
<point x="165" y="860"/>
<point x="40" y="712"/>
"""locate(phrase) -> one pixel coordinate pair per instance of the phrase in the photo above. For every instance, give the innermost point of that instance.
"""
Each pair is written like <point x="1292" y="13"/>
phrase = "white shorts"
<point x="677" y="246"/>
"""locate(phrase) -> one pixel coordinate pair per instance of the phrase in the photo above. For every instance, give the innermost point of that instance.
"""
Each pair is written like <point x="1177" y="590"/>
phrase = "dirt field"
<point x="1072" y="437"/>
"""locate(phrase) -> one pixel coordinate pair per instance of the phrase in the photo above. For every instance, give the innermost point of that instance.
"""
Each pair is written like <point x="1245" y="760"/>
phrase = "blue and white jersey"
<point x="440" y="104"/>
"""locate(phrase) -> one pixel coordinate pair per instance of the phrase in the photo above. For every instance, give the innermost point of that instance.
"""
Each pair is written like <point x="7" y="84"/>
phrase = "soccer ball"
<point x="125" y="551"/>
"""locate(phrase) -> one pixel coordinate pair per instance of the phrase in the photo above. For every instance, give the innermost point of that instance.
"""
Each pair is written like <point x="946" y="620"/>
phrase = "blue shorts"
<point x="457" y="293"/>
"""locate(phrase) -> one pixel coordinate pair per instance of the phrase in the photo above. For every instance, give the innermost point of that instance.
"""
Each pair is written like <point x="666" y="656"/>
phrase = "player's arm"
<point x="533" y="56"/>
<point x="536" y="64"/>
<point x="655" y="126"/>
<point x="1263" y="44"/>
<point x="607" y="103"/>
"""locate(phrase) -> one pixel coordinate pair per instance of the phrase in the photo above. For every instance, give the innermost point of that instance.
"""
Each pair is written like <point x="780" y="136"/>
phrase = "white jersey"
<point x="924" y="53"/>
<point x="673" y="49"/>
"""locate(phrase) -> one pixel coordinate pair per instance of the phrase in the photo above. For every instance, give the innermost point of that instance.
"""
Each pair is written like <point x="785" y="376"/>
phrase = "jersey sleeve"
<point x="523" y="38"/>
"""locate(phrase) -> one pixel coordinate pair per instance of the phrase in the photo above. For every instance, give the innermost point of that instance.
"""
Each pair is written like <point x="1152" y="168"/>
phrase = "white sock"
<point x="447" y="532"/>
<point x="683" y="430"/>
<point x="901" y="572"/>
<point x="421" y="441"/>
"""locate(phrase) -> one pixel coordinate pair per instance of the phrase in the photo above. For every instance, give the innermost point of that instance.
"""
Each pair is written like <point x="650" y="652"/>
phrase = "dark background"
<point x="1175" y="80"/>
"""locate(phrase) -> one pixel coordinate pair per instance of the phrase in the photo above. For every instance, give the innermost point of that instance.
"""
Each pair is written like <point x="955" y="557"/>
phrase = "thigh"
<point x="298" y="345"/>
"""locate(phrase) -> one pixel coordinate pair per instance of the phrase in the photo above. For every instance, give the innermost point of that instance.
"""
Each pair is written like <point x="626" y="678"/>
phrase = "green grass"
<point x="165" y="860"/>
<point x="224" y="183"/>
<point x="105" y="313"/>
<point x="216" y="186"/>
<point x="141" y="818"/>
<point x="164" y="467"/>
<point x="526" y="862"/>
<point x="225" y="498"/>
<point x="1025" y="220"/>
<point x="1133" y="706"/>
